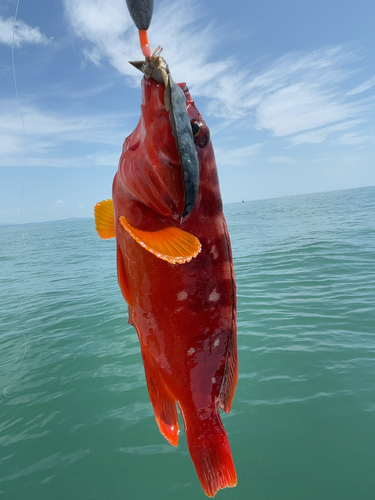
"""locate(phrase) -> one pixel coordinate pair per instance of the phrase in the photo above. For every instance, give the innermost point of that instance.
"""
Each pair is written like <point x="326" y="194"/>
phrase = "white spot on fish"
<point x="191" y="351"/>
<point x="182" y="295"/>
<point x="214" y="296"/>
<point x="213" y="380"/>
<point x="214" y="252"/>
<point x="217" y="342"/>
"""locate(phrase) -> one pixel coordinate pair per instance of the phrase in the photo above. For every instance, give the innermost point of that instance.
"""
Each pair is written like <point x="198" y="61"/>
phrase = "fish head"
<point x="159" y="163"/>
<point x="149" y="173"/>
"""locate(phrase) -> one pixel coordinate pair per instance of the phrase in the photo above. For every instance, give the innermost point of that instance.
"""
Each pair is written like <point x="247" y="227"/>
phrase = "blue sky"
<point x="287" y="89"/>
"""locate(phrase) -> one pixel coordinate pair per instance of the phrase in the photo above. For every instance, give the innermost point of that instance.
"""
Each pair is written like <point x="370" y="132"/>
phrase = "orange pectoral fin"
<point x="169" y="243"/>
<point x="105" y="219"/>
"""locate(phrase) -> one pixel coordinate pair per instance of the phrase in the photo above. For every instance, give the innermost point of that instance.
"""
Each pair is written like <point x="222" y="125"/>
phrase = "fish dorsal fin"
<point x="168" y="243"/>
<point x="105" y="219"/>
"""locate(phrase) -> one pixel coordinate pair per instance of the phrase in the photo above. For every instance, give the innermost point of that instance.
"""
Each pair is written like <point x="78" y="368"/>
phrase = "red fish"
<point x="175" y="271"/>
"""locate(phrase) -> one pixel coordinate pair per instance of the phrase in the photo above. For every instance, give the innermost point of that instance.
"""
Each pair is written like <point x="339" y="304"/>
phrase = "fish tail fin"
<point x="210" y="451"/>
<point x="163" y="403"/>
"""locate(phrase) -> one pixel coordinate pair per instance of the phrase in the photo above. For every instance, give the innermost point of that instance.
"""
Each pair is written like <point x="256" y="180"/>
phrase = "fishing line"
<point x="23" y="125"/>
<point x="9" y="390"/>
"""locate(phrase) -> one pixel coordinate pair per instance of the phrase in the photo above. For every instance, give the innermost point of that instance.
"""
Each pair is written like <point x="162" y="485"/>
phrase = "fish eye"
<point x="196" y="128"/>
<point x="201" y="133"/>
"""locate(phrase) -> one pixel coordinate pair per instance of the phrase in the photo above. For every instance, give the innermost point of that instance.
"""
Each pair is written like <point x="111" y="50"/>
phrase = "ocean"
<point x="75" y="419"/>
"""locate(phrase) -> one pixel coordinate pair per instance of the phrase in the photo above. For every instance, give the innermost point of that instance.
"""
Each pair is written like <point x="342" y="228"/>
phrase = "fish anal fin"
<point x="105" y="219"/>
<point x="163" y="402"/>
<point x="168" y="243"/>
<point x="122" y="279"/>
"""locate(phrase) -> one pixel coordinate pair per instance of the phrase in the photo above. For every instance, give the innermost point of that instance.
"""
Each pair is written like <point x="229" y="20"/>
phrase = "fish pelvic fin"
<point x="123" y="281"/>
<point x="163" y="402"/>
<point x="105" y="219"/>
<point x="168" y="243"/>
<point x="210" y="451"/>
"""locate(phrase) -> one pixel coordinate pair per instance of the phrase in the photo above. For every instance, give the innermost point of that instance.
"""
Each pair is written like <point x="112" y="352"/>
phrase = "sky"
<point x="287" y="89"/>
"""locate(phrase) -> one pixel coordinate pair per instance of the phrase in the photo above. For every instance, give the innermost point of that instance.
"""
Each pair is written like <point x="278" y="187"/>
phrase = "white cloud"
<point x="297" y="94"/>
<point x="47" y="124"/>
<point x="10" y="143"/>
<point x="237" y="156"/>
<point x="300" y="106"/>
<point x="320" y="135"/>
<point x="354" y="139"/>
<point x="47" y="131"/>
<point x="110" y="35"/>
<point x="23" y="33"/>
<point x="300" y="97"/>
<point x="281" y="159"/>
<point x="106" y="28"/>
<point x="244" y="90"/>
<point x="367" y="85"/>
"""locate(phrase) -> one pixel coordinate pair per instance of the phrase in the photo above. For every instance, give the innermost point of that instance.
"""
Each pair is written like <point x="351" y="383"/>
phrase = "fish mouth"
<point x="175" y="102"/>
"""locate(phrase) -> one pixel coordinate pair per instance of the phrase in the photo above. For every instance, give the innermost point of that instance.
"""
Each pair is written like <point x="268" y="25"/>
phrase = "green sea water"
<point x="75" y="418"/>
